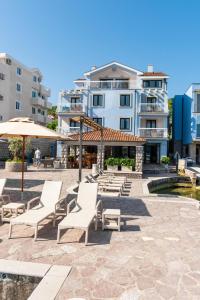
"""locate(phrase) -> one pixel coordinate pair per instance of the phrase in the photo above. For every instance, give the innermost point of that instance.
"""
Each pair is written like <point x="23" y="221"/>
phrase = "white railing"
<point x="39" y="118"/>
<point x="151" y="107"/>
<point x="153" y="132"/>
<point x="38" y="101"/>
<point x="73" y="107"/>
<point x="68" y="131"/>
<point x="109" y="84"/>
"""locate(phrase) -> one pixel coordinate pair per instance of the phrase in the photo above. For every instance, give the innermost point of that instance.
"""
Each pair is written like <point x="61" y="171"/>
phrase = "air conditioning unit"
<point x="8" y="61"/>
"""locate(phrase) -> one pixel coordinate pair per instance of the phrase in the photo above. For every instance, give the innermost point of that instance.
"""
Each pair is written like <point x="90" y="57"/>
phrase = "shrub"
<point x="165" y="160"/>
<point x="127" y="162"/>
<point x="111" y="161"/>
<point x="15" y="147"/>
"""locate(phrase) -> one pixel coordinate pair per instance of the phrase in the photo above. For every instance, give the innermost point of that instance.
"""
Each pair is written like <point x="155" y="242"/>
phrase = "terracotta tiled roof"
<point x="154" y="74"/>
<point x="109" y="134"/>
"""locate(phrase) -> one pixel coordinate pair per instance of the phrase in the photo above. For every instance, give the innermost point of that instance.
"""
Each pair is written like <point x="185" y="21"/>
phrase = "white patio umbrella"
<point x="25" y="127"/>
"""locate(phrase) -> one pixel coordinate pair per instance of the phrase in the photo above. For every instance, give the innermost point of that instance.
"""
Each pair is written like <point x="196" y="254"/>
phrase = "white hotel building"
<point x="120" y="97"/>
<point x="21" y="91"/>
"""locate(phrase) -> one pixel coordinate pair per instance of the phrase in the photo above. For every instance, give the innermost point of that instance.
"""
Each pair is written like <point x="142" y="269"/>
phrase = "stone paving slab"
<point x="23" y="268"/>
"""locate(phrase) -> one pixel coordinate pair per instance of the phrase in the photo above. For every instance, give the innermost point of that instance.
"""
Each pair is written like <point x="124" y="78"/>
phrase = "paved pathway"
<point x="155" y="256"/>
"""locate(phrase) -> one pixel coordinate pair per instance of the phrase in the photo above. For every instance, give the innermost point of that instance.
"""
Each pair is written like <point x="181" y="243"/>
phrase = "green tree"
<point x="15" y="146"/>
<point x="53" y="125"/>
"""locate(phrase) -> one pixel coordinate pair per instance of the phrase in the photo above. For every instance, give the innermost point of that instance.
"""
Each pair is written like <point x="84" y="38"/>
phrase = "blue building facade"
<point x="186" y="123"/>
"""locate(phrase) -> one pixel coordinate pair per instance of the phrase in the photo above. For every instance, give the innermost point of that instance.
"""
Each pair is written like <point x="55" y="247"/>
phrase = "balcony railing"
<point x="39" y="118"/>
<point x="151" y="108"/>
<point x="68" y="131"/>
<point x="153" y="132"/>
<point x="107" y="84"/>
<point x="38" y="101"/>
<point x="73" y="107"/>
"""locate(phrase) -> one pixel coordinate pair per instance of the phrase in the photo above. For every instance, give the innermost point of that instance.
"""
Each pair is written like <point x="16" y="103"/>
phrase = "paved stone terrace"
<point x="155" y="256"/>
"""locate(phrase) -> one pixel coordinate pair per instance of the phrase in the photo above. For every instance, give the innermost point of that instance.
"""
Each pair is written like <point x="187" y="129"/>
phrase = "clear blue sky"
<point x="64" y="38"/>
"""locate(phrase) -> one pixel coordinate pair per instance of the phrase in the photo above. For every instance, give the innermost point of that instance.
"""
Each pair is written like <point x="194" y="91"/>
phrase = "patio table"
<point x="11" y="210"/>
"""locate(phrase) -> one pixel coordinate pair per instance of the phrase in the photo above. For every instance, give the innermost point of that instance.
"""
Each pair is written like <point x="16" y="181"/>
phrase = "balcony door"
<point x="150" y="123"/>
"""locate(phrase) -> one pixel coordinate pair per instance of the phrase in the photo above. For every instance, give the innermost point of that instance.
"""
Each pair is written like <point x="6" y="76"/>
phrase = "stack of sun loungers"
<point x="109" y="185"/>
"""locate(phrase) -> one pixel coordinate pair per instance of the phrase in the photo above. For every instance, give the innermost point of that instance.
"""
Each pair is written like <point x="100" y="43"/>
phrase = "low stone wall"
<point x="157" y="184"/>
<point x="129" y="174"/>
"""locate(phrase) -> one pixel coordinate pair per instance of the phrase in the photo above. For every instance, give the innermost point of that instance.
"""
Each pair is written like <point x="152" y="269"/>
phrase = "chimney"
<point x="150" y="68"/>
<point x="93" y="68"/>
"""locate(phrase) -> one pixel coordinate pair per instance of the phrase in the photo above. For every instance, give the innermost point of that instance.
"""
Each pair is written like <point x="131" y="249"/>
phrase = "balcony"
<point x="39" y="118"/>
<point x="107" y="84"/>
<point x="38" y="101"/>
<point x="68" y="131"/>
<point x="153" y="132"/>
<point x="151" y="108"/>
<point x="71" y="108"/>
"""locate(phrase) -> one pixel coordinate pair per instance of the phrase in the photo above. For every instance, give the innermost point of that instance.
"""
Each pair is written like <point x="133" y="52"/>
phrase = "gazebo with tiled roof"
<point x="112" y="138"/>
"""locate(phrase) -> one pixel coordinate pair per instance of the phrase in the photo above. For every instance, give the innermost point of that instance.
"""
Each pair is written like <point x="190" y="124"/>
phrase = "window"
<point x="198" y="103"/>
<point x="98" y="120"/>
<point x="151" y="124"/>
<point x="35" y="78"/>
<point x="125" y="124"/>
<point x="18" y="105"/>
<point x="19" y="71"/>
<point x="97" y="100"/>
<point x="42" y="113"/>
<point x="125" y="100"/>
<point x="18" y="87"/>
<point x="33" y="110"/>
<point x="152" y="83"/>
<point x="8" y="61"/>
<point x="151" y="100"/>
<point x="1" y="118"/>
<point x="75" y="100"/>
<point x="1" y="97"/>
<point x="2" y="76"/>
<point x="105" y="83"/>
<point x="34" y="94"/>
<point x="73" y="123"/>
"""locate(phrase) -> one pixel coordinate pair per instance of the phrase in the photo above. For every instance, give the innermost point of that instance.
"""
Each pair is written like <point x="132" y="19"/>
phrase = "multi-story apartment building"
<point x="21" y="91"/>
<point x="120" y="97"/>
<point x="186" y="123"/>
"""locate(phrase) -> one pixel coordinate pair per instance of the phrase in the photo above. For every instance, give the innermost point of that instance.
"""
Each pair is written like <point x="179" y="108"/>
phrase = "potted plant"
<point x="112" y="164"/>
<point x="15" y="148"/>
<point x="127" y="164"/>
<point x="165" y="160"/>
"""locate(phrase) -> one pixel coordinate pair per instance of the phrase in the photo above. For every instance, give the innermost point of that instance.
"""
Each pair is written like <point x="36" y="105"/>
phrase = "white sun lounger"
<point x="84" y="212"/>
<point x="2" y="184"/>
<point x="4" y="199"/>
<point x="48" y="204"/>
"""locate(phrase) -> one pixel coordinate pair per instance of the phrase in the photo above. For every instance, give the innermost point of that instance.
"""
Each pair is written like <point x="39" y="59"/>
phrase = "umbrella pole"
<point x="80" y="151"/>
<point x="23" y="155"/>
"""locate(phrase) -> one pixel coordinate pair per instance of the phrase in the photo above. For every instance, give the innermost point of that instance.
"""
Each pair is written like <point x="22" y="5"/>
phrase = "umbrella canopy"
<point x="19" y="127"/>
<point x="25" y="127"/>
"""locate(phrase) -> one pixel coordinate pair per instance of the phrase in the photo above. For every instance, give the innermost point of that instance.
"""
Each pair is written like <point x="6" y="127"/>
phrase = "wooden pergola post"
<point x="101" y="157"/>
